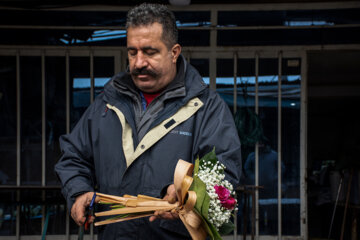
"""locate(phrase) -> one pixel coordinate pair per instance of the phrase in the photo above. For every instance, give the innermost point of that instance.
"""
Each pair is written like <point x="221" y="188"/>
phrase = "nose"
<point x="140" y="61"/>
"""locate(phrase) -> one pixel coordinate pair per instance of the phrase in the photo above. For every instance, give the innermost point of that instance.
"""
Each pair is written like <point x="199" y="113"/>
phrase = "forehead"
<point x="145" y="34"/>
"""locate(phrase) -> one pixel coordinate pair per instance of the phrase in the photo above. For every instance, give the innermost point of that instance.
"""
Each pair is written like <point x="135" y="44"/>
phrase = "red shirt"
<point x="149" y="97"/>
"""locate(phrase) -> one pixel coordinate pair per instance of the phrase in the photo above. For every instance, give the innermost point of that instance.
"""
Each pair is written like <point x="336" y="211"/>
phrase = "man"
<point x="130" y="139"/>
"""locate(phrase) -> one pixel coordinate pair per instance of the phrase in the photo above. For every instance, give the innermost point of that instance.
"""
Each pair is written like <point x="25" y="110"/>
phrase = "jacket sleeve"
<point x="75" y="169"/>
<point x="217" y="129"/>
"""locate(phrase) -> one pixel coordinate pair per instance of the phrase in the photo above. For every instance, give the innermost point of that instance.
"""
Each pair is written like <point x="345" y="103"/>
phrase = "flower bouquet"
<point x="205" y="200"/>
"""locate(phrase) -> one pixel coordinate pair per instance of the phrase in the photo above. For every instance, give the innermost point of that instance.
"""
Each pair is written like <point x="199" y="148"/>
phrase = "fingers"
<point x="164" y="215"/>
<point x="171" y="198"/>
<point x="91" y="219"/>
<point x="167" y="215"/>
<point x="78" y="215"/>
<point x="152" y="218"/>
<point x="78" y="209"/>
<point x="171" y="194"/>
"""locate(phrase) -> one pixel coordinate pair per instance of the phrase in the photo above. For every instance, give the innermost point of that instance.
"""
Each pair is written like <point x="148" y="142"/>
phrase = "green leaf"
<point x="205" y="206"/>
<point x="199" y="187"/>
<point x="196" y="166"/>
<point x="206" y="225"/>
<point x="202" y="206"/>
<point x="226" y="228"/>
<point x="116" y="206"/>
<point x="215" y="233"/>
<point x="210" y="229"/>
<point x="209" y="157"/>
<point x="212" y="159"/>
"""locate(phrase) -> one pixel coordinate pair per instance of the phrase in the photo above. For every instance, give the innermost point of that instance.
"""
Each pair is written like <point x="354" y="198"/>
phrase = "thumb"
<point x="171" y="194"/>
<point x="172" y="199"/>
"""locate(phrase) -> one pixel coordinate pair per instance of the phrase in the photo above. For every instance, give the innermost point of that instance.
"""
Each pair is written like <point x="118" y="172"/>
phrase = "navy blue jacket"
<point x="104" y="152"/>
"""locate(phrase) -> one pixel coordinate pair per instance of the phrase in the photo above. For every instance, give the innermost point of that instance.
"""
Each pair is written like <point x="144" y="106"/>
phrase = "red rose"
<point x="222" y="192"/>
<point x="229" y="203"/>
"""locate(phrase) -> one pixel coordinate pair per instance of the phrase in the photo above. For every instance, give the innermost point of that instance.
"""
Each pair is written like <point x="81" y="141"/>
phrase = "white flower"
<point x="211" y="175"/>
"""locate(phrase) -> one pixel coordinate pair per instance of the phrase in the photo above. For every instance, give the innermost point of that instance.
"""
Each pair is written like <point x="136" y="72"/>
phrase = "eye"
<point x="151" y="52"/>
<point x="132" y="52"/>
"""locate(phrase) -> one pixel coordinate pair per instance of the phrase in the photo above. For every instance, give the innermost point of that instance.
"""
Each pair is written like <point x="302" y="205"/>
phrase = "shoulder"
<point x="213" y="100"/>
<point x="96" y="107"/>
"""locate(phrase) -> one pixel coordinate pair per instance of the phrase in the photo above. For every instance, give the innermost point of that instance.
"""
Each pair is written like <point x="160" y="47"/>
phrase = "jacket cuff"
<point x="74" y="188"/>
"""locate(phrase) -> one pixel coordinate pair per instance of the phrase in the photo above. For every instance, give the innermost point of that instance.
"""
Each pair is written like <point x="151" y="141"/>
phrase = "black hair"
<point x="148" y="13"/>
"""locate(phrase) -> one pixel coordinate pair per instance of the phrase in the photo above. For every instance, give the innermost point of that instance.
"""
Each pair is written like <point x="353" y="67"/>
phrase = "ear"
<point x="175" y="52"/>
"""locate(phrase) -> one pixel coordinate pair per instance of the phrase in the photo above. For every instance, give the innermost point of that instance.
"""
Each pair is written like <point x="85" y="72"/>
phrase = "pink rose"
<point x="226" y="200"/>
<point x="222" y="192"/>
<point x="229" y="203"/>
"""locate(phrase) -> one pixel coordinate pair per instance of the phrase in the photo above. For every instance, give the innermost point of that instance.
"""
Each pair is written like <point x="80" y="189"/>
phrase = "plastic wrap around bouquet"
<point x="205" y="200"/>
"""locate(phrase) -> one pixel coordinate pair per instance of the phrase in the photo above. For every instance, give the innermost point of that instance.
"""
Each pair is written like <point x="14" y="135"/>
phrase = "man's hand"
<point x="172" y="198"/>
<point x="78" y="209"/>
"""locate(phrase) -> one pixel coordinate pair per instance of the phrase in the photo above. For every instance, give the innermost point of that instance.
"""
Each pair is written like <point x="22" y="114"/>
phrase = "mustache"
<point x="144" y="71"/>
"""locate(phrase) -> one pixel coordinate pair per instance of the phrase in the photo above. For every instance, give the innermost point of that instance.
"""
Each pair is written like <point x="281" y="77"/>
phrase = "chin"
<point x="147" y="88"/>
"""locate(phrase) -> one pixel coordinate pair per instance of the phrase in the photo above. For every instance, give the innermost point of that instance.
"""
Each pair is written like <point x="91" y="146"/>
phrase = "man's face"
<point x="152" y="64"/>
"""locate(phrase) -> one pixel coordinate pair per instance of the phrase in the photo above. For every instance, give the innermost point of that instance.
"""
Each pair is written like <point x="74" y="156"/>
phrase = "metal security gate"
<point x="58" y="85"/>
<point x="250" y="80"/>
<point x="83" y="75"/>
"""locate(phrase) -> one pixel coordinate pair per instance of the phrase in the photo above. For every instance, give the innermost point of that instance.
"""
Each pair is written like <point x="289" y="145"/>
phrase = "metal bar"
<point x="26" y="187"/>
<point x="188" y="56"/>
<point x="212" y="73"/>
<point x="246" y="51"/>
<point x="86" y="237"/>
<point x="303" y="147"/>
<point x="256" y="205"/>
<point x="213" y="27"/>
<point x="123" y="59"/>
<point x="245" y="213"/>
<point x="214" y="23"/>
<point x="43" y="121"/>
<point x="117" y="62"/>
<point x="67" y="69"/>
<point x="235" y="82"/>
<point x="18" y="121"/>
<point x="18" y="142"/>
<point x="18" y="209"/>
<point x="213" y="43"/>
<point x="235" y="223"/>
<point x="92" y="97"/>
<point x="43" y="136"/>
<point x="349" y="184"/>
<point x="92" y="235"/>
<point x="279" y="148"/>
<point x="92" y="80"/>
<point x="220" y="7"/>
<point x="67" y="225"/>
